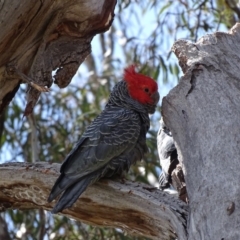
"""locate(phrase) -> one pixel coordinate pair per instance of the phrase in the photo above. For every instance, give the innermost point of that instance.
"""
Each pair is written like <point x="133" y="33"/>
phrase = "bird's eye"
<point x="146" y="90"/>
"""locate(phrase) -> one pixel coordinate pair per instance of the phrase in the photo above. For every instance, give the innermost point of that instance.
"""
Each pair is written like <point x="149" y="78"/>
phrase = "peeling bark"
<point x="39" y="37"/>
<point x="134" y="207"/>
<point x="203" y="114"/>
<point x="178" y="183"/>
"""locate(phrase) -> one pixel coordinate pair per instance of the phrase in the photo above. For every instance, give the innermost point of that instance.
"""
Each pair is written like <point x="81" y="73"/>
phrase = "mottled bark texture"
<point x="38" y="37"/>
<point x="134" y="207"/>
<point x="203" y="113"/>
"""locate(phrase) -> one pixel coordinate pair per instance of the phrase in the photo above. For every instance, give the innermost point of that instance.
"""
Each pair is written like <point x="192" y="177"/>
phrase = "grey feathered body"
<point x="114" y="140"/>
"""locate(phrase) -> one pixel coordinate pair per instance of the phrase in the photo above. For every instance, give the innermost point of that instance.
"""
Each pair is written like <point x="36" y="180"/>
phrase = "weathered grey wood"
<point x="134" y="207"/>
<point x="38" y="37"/>
<point x="203" y="113"/>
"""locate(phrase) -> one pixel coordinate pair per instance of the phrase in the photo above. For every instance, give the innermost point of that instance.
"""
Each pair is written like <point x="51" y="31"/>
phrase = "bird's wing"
<point x="114" y="131"/>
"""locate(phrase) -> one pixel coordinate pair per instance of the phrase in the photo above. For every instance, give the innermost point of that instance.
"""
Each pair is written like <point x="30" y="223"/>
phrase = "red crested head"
<point x="140" y="87"/>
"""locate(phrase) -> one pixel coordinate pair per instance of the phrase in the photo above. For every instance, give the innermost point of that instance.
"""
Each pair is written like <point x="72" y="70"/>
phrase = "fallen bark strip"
<point x="136" y="208"/>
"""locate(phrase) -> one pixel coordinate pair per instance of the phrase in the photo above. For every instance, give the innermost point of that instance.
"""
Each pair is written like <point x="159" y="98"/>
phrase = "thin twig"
<point x="34" y="138"/>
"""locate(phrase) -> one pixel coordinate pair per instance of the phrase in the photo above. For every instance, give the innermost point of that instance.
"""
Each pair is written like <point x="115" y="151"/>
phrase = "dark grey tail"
<point x="62" y="183"/>
<point x="72" y="193"/>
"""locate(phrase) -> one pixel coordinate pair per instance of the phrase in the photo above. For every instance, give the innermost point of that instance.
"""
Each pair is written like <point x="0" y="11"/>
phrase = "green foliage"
<point x="142" y="32"/>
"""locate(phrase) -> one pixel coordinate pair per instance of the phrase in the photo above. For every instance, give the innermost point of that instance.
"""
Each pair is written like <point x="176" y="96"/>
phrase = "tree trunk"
<point x="203" y="113"/>
<point x="134" y="207"/>
<point x="38" y="37"/>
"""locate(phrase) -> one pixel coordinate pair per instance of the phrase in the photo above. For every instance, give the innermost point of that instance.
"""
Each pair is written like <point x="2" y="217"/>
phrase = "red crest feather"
<point x="140" y="87"/>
